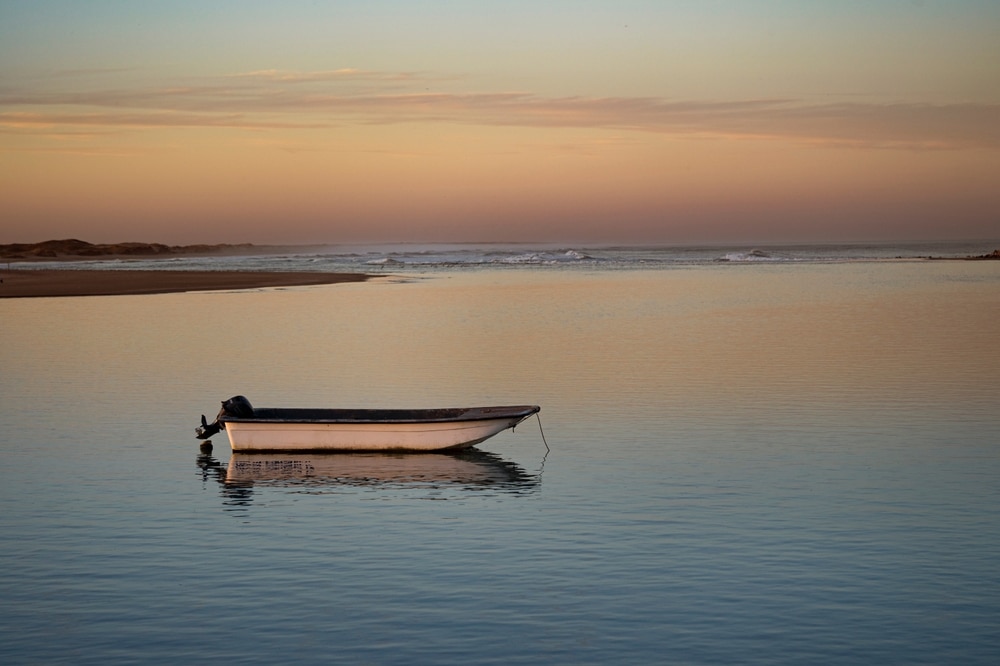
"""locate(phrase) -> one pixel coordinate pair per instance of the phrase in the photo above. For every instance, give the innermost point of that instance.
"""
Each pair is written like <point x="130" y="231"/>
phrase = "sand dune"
<point x="72" y="248"/>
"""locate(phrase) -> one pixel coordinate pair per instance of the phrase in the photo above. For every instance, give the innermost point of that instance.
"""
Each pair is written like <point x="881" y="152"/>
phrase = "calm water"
<point x="751" y="462"/>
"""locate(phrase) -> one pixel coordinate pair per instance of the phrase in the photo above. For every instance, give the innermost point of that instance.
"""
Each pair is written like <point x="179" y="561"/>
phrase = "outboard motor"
<point x="237" y="406"/>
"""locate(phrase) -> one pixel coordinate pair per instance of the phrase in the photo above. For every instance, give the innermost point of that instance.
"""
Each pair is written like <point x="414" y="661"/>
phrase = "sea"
<point x="744" y="455"/>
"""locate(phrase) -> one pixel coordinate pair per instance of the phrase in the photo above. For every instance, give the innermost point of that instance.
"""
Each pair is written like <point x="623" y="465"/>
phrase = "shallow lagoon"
<point x="749" y="463"/>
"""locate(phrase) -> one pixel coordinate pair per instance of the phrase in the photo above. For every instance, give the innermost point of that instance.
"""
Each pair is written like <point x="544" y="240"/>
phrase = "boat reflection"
<point x="470" y="469"/>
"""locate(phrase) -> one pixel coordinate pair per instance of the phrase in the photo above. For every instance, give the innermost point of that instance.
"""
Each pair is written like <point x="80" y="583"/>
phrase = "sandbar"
<point x="29" y="283"/>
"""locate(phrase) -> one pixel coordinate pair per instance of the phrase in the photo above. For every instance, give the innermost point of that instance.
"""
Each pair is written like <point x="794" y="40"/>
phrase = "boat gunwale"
<point x="295" y="415"/>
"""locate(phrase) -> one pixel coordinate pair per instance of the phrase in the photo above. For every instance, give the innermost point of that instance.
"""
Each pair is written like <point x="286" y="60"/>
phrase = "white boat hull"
<point x="354" y="434"/>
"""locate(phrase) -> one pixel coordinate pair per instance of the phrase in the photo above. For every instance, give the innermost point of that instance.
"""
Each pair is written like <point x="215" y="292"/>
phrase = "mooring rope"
<point x="542" y="431"/>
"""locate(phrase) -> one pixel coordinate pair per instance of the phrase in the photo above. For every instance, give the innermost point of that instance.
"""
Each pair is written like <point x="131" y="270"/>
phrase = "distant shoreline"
<point x="995" y="254"/>
<point x="38" y="280"/>
<point x="74" y="250"/>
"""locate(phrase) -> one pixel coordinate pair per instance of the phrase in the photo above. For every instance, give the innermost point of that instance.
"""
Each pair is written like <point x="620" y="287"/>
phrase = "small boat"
<point x="276" y="429"/>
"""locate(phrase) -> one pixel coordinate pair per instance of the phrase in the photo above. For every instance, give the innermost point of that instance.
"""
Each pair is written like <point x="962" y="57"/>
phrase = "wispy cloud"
<point x="277" y="99"/>
<point x="48" y="120"/>
<point x="347" y="74"/>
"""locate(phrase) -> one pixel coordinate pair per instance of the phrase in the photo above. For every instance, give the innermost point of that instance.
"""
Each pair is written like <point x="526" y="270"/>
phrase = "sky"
<point x="625" y="121"/>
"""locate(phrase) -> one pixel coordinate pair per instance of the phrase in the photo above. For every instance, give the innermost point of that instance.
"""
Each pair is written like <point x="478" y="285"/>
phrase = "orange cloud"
<point x="273" y="99"/>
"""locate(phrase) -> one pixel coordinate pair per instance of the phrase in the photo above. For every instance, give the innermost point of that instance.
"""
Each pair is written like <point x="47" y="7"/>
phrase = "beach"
<point x="42" y="282"/>
<point x="74" y="267"/>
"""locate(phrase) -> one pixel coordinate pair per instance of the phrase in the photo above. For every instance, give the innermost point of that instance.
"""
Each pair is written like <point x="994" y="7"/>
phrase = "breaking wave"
<point x="446" y="257"/>
<point x="467" y="257"/>
<point x="754" y="256"/>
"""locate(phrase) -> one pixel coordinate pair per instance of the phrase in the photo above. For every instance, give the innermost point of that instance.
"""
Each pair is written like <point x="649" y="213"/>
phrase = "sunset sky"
<point x="625" y="121"/>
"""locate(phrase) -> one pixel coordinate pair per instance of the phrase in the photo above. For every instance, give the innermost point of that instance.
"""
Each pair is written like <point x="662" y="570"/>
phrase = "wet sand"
<point x="39" y="283"/>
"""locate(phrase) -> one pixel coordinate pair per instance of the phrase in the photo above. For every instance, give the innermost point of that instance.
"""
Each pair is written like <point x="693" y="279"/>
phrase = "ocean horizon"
<point x="425" y="257"/>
